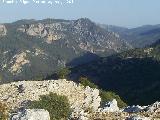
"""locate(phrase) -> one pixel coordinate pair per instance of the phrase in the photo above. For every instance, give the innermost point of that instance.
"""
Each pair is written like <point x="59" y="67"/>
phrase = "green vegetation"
<point x="105" y="95"/>
<point x="63" y="73"/>
<point x="3" y="111"/>
<point x="86" y="82"/>
<point x="108" y="96"/>
<point x="57" y="106"/>
<point x="1" y="77"/>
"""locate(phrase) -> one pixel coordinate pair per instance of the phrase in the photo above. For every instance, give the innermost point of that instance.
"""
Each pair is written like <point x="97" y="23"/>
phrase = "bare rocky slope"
<point x="16" y="94"/>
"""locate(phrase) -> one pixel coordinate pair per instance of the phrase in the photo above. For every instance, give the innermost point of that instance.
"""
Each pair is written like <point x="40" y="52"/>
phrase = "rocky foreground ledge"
<point x="16" y="95"/>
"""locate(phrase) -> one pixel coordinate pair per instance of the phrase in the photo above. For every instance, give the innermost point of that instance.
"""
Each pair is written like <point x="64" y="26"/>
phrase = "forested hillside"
<point x="134" y="74"/>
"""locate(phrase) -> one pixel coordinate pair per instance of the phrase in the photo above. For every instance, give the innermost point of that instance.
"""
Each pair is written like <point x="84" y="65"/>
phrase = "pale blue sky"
<point x="129" y="13"/>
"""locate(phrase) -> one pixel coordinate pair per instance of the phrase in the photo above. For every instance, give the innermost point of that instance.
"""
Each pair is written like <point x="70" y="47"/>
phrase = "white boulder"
<point x="110" y="106"/>
<point x="31" y="114"/>
<point x="92" y="98"/>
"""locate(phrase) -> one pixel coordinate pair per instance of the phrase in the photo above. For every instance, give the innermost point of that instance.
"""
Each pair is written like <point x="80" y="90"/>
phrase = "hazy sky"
<point x="129" y="13"/>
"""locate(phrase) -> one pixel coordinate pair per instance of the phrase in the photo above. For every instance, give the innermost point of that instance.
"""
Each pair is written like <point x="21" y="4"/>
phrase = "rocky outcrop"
<point x="112" y="112"/>
<point x="47" y="31"/>
<point x="153" y="108"/>
<point x="80" y="98"/>
<point x="133" y="109"/>
<point x="3" y="30"/>
<point x="92" y="98"/>
<point x="110" y="107"/>
<point x="19" y="60"/>
<point x="31" y="114"/>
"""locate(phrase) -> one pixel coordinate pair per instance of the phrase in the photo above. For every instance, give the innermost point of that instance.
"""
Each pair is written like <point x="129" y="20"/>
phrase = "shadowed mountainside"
<point x="134" y="74"/>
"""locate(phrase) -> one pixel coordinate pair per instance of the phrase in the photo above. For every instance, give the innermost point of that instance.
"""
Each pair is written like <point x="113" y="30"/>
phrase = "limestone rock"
<point x="78" y="96"/>
<point x="110" y="106"/>
<point x="3" y="30"/>
<point x="31" y="114"/>
<point x="83" y="116"/>
<point x="47" y="31"/>
<point x="92" y="98"/>
<point x="133" y="109"/>
<point x="138" y="118"/>
<point x="153" y="108"/>
<point x="18" y="61"/>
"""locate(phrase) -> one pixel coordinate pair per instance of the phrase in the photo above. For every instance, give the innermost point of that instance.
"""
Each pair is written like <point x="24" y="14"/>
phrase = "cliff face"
<point x="50" y="32"/>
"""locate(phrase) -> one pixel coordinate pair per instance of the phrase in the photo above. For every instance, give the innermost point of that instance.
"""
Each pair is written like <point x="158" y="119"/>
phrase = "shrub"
<point x="86" y="82"/>
<point x="3" y="111"/>
<point x="57" y="106"/>
<point x="63" y="73"/>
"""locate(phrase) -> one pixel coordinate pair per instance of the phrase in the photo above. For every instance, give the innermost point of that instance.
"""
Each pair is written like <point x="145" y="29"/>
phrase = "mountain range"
<point x="32" y="49"/>
<point x="138" y="37"/>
